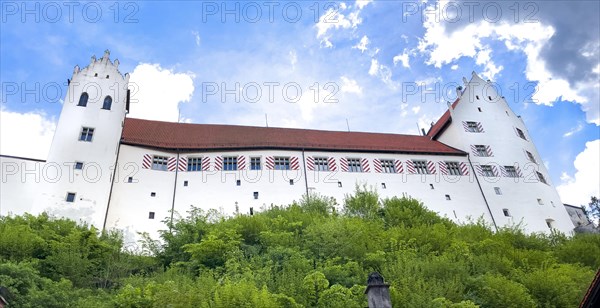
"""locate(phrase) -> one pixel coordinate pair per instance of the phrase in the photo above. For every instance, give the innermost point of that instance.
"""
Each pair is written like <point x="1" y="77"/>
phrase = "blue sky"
<point x="360" y="54"/>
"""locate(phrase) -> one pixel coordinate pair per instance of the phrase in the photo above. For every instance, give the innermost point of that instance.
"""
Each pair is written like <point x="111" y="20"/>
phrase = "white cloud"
<point x="350" y="85"/>
<point x="444" y="47"/>
<point x="197" y="37"/>
<point x="403" y="57"/>
<point x="416" y="109"/>
<point x="26" y="134"/>
<point x="578" y="189"/>
<point x="293" y="59"/>
<point x="374" y="67"/>
<point x="454" y="67"/>
<point x="362" y="45"/>
<point x="574" y="130"/>
<point x="362" y="3"/>
<point x="157" y="92"/>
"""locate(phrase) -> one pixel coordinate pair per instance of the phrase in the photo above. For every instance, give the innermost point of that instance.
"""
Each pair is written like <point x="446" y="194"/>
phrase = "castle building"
<point x="476" y="161"/>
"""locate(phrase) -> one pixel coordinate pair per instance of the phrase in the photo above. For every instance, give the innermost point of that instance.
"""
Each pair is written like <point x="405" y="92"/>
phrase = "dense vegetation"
<point x="303" y="255"/>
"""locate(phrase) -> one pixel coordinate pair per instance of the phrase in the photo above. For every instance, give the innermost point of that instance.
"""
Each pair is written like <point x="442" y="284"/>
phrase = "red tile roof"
<point x="441" y="124"/>
<point x="190" y="137"/>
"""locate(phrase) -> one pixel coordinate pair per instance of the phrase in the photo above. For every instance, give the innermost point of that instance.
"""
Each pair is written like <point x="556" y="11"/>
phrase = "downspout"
<point x="482" y="194"/>
<point x="174" y="189"/>
<point x="112" y="180"/>
<point x="305" y="175"/>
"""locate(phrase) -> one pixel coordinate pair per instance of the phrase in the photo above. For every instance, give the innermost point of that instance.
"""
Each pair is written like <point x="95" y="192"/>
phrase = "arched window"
<point x="107" y="103"/>
<point x="83" y="99"/>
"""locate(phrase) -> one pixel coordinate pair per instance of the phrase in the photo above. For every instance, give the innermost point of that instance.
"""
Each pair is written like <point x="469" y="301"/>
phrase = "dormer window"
<point x="107" y="103"/>
<point x="83" y="99"/>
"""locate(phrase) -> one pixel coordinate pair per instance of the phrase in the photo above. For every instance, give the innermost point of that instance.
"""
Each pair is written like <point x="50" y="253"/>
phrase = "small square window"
<point x="185" y="183"/>
<point x="541" y="177"/>
<point x="152" y="194"/>
<point x="339" y="184"/>
<point x="130" y="179"/>
<point x="87" y="134"/>
<point x="521" y="134"/>
<point x="550" y="223"/>
<point x="383" y="186"/>
<point x="251" y="211"/>
<point x="151" y="215"/>
<point x="431" y="186"/>
<point x="531" y="157"/>
<point x="479" y="108"/>
<point x="508" y="115"/>
<point x="497" y="190"/>
<point x="506" y="212"/>
<point x="540" y="202"/>
<point x="256" y="195"/>
<point x="477" y="96"/>
<point x="78" y="165"/>
<point x="552" y="203"/>
<point x="291" y="182"/>
<point x="70" y="197"/>
<point x="238" y="182"/>
<point x="448" y="197"/>
<point x="96" y="75"/>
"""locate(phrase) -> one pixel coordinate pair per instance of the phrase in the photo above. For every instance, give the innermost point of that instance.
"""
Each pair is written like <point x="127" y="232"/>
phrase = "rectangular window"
<point x="78" y="165"/>
<point x="511" y="172"/>
<point x="354" y="165"/>
<point x="531" y="158"/>
<point x="254" y="163"/>
<point x="486" y="170"/>
<point x="282" y="163"/>
<point x="541" y="177"/>
<point x="521" y="134"/>
<point x="387" y="166"/>
<point x="481" y="150"/>
<point x="453" y="168"/>
<point x="321" y="164"/>
<point x="87" y="134"/>
<point x="70" y="197"/>
<point x="230" y="163"/>
<point x="421" y="166"/>
<point x="497" y="190"/>
<point x="473" y="127"/>
<point x="540" y="202"/>
<point x="151" y="215"/>
<point x="550" y="223"/>
<point x="506" y="212"/>
<point x="194" y="164"/>
<point x="448" y="197"/>
<point x="159" y="162"/>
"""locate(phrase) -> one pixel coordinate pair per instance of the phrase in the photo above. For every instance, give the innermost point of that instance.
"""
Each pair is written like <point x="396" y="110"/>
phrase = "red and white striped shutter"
<point x="269" y="162"/>
<point x="410" y="167"/>
<point x="331" y="163"/>
<point x="480" y="127"/>
<point x="431" y="167"/>
<point x="479" y="170"/>
<point x="205" y="163"/>
<point x="294" y="164"/>
<point x="182" y="166"/>
<point x="171" y="163"/>
<point x="365" y="165"/>
<point x="464" y="169"/>
<point x="503" y="171"/>
<point x="495" y="170"/>
<point x="241" y="162"/>
<point x="398" y="165"/>
<point x="488" y="149"/>
<point x="344" y="164"/>
<point x="465" y="126"/>
<point x="377" y="165"/>
<point x="443" y="168"/>
<point x="310" y="163"/>
<point x="147" y="161"/>
<point x="474" y="150"/>
<point x="519" y="171"/>
<point x="218" y="163"/>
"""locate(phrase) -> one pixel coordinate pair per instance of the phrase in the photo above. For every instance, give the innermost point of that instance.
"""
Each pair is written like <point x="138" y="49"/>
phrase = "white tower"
<point x="508" y="167"/>
<point x="78" y="173"/>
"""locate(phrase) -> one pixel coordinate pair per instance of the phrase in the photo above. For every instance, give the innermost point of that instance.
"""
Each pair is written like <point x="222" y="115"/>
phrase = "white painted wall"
<point x="519" y="195"/>
<point x="20" y="180"/>
<point x="92" y="184"/>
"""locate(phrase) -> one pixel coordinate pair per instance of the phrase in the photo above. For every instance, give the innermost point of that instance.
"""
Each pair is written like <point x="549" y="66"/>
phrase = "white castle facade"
<point x="117" y="172"/>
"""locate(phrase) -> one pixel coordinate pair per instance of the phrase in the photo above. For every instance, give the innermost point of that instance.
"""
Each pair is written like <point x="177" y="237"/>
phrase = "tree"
<point x="595" y="210"/>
